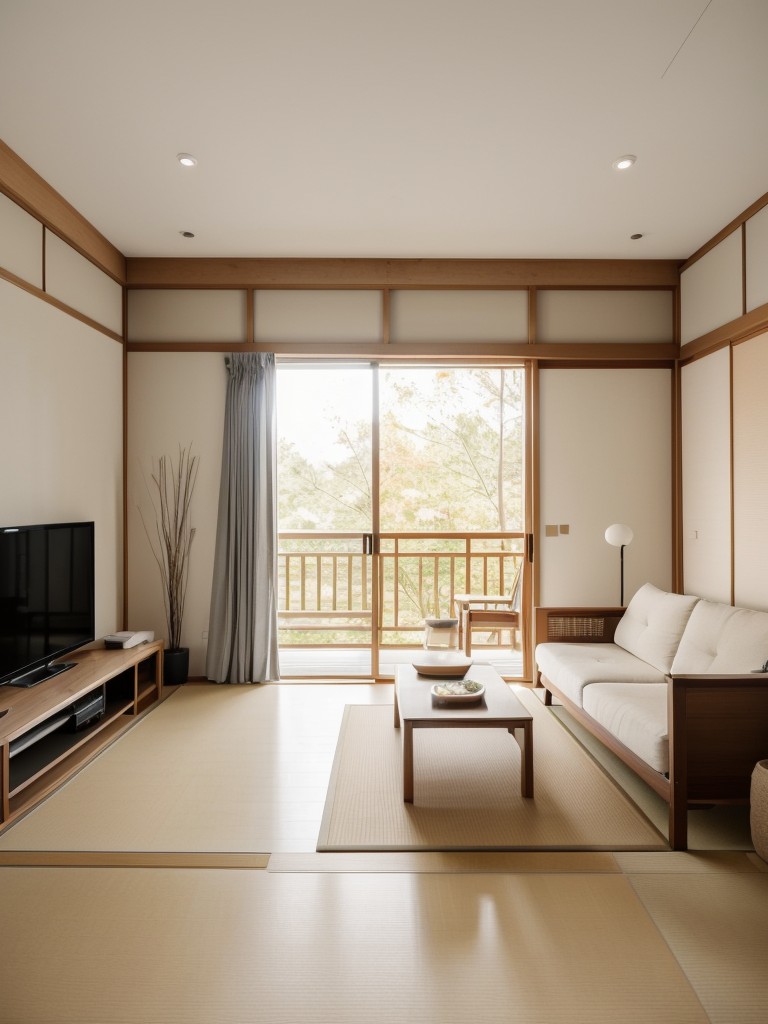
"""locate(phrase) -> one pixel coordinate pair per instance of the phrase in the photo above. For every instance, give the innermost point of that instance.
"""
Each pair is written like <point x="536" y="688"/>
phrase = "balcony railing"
<point x="326" y="583"/>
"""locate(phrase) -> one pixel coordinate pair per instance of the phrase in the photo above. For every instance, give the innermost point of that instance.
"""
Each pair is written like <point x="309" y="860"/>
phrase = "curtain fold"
<point x="242" y="632"/>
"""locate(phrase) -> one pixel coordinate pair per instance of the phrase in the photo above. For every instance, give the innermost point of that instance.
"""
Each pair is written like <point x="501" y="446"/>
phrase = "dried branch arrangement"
<point x="172" y="485"/>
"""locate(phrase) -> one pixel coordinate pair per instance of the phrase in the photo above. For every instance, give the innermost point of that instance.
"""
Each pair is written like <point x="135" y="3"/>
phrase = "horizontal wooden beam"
<point x="448" y="351"/>
<point x="151" y="272"/>
<point x="25" y="186"/>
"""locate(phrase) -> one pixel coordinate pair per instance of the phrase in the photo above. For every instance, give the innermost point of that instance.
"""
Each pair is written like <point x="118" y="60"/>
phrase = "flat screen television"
<point x="46" y="598"/>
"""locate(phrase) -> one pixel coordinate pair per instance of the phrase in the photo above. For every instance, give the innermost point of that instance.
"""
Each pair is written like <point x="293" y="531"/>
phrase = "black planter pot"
<point x="175" y="666"/>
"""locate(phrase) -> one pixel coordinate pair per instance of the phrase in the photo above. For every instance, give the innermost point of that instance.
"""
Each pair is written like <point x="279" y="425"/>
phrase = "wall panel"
<point x="187" y="315"/>
<point x="605" y="453"/>
<point x="309" y="315"/>
<point x="711" y="289"/>
<point x="21" y="243"/>
<point x="757" y="259"/>
<point x="174" y="398"/>
<point x="462" y="315"/>
<point x="604" y="316"/>
<point x="706" y="462"/>
<point x="750" y="473"/>
<point x="76" y="281"/>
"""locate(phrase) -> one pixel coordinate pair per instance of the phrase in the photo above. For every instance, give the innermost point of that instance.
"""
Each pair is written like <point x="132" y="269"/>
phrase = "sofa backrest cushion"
<point x="720" y="638"/>
<point x="653" y="624"/>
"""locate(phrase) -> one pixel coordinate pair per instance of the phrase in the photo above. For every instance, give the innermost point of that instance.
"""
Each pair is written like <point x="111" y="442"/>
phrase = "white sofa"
<point x="671" y="684"/>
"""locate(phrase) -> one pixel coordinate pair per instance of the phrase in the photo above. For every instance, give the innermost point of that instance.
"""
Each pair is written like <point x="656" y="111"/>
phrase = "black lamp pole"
<point x="621" y="559"/>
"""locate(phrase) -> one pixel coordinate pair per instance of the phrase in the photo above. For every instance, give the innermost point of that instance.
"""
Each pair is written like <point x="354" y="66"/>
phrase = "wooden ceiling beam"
<point x="157" y="272"/>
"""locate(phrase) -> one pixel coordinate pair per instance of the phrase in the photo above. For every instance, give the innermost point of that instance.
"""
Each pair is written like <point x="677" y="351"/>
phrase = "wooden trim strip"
<point x="442" y="351"/>
<point x="250" y="318"/>
<point x="742" y="218"/>
<point x="170" y="272"/>
<point x="386" y="316"/>
<point x="26" y="188"/>
<point x="533" y="310"/>
<point x="148" y="859"/>
<point x="6" y="275"/>
<point x="743" y="269"/>
<point x="676" y="482"/>
<point x="731" y="475"/>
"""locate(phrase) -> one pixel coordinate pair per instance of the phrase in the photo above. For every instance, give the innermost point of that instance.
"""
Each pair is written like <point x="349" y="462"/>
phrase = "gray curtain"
<point x="242" y="633"/>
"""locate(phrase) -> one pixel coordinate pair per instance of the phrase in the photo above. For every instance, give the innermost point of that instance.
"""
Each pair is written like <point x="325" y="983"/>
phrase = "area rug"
<point x="467" y="791"/>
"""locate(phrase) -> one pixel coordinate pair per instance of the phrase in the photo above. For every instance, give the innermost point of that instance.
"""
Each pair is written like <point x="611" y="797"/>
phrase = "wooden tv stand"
<point x="39" y="745"/>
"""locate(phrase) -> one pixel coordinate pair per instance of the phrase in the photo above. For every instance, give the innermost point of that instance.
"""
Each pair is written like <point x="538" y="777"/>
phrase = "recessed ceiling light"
<point x="634" y="237"/>
<point x="624" y="162"/>
<point x="187" y="234"/>
<point x="187" y="160"/>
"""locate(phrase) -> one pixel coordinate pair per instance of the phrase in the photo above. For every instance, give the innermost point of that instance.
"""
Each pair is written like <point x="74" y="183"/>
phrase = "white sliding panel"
<point x="750" y="472"/>
<point x="61" y="419"/>
<point x="706" y="468"/>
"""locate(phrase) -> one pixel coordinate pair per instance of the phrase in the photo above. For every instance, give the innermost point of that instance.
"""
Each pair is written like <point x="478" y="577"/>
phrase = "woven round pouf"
<point x="758" y="811"/>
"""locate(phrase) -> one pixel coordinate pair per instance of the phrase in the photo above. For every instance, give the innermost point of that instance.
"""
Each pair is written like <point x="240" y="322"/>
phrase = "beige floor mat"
<point x="467" y="791"/>
<point x="116" y="945"/>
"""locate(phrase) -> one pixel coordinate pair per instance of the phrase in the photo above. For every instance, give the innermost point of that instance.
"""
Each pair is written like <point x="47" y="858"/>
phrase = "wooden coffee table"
<point x="499" y="708"/>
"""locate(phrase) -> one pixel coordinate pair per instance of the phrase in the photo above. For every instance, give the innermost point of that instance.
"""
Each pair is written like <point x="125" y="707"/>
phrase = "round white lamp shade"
<point x="619" y="534"/>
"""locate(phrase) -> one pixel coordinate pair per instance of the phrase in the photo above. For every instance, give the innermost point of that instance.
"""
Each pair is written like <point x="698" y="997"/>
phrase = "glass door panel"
<point x="326" y="593"/>
<point x="451" y="502"/>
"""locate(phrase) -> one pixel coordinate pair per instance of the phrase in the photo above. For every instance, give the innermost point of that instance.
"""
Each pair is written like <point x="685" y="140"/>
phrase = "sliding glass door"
<point x="399" y="488"/>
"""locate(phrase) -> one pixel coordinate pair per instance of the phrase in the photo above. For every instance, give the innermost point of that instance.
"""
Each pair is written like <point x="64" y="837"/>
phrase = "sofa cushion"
<point x="653" y="624"/>
<point x="720" y="638"/>
<point x="572" y="667"/>
<point x="636" y="716"/>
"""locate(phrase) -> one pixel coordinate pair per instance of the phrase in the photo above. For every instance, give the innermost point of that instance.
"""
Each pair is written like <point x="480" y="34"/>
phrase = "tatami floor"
<point x="95" y="928"/>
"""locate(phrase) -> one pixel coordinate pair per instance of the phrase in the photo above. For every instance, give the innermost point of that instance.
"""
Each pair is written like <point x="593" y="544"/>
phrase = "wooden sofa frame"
<point x="718" y="724"/>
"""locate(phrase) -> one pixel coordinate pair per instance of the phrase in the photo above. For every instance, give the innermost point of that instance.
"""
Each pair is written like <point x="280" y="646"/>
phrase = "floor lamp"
<point x="619" y="535"/>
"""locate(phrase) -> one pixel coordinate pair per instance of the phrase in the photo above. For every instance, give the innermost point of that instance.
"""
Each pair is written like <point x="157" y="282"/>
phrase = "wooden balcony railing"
<point x="326" y="582"/>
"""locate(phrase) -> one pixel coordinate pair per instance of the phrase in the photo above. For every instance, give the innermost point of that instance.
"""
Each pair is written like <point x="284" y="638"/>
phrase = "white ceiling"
<point x="405" y="128"/>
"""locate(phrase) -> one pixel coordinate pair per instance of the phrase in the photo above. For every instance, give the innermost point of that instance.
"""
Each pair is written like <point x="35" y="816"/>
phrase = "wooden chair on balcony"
<point x="490" y="612"/>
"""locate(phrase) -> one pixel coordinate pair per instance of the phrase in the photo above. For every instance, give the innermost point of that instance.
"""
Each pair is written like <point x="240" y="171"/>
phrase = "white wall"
<point x="174" y="399"/>
<point x="61" y="457"/>
<point x="605" y="455"/>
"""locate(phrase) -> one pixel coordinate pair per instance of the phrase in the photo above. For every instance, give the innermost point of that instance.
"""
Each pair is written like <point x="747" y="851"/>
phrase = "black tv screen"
<point x="46" y="594"/>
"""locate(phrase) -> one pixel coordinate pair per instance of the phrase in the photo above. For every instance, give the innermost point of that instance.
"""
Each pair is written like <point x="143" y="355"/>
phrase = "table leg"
<point x="526" y="757"/>
<point x="408" y="762"/>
